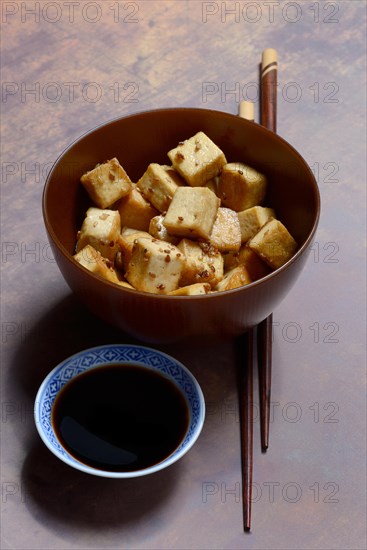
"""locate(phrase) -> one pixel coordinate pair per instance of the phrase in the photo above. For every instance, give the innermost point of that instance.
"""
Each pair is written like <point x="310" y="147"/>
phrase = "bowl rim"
<point x="177" y="454"/>
<point x="210" y="296"/>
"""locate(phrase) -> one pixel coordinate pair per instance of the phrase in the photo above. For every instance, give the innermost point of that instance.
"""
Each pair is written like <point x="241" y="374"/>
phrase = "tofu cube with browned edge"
<point x="226" y="232"/>
<point x="255" y="266"/>
<point x="274" y="244"/>
<point x="100" y="229"/>
<point x="203" y="263"/>
<point x="197" y="159"/>
<point x="252" y="219"/>
<point x="158" y="230"/>
<point x="192" y="290"/>
<point x="192" y="212"/>
<point x="241" y="187"/>
<point x="158" y="185"/>
<point x="91" y="259"/>
<point x="155" y="266"/>
<point x="236" y="277"/>
<point x="126" y="243"/>
<point x="135" y="210"/>
<point x="106" y="183"/>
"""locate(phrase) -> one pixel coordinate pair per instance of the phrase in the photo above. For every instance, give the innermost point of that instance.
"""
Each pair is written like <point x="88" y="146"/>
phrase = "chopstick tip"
<point x="269" y="61"/>
<point x="246" y="110"/>
<point x="269" y="55"/>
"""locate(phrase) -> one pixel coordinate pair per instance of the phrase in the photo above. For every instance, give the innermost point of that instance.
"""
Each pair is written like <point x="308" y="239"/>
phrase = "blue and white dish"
<point x="107" y="355"/>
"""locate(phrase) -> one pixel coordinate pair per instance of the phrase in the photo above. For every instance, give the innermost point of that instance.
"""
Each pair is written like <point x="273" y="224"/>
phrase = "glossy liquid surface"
<point x="120" y="417"/>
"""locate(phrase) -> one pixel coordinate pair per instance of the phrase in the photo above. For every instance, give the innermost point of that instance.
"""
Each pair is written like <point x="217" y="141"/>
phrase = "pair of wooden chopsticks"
<point x="269" y="68"/>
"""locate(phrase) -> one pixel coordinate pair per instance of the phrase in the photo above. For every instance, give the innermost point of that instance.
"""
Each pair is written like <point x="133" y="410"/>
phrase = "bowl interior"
<point x="126" y="354"/>
<point x="140" y="139"/>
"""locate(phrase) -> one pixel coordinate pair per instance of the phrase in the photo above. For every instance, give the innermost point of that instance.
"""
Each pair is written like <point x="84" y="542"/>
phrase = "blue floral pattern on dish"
<point x="119" y="353"/>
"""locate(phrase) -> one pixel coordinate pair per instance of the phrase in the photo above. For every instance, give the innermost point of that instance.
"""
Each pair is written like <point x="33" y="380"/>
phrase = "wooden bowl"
<point x="146" y="137"/>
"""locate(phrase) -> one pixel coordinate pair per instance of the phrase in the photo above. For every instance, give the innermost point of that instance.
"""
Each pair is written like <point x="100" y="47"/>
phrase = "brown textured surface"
<point x="171" y="57"/>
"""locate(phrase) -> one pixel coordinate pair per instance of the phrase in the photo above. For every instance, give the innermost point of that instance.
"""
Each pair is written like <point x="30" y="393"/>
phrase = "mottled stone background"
<point x="68" y="66"/>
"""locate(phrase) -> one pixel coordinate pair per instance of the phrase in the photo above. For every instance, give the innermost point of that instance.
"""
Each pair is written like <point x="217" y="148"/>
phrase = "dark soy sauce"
<point x="120" y="417"/>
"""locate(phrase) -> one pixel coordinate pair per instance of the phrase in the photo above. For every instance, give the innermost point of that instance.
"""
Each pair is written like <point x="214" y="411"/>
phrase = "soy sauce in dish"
<point x="120" y="417"/>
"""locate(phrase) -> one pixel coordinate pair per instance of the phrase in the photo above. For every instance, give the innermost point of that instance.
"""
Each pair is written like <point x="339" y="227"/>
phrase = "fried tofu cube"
<point x="100" y="229"/>
<point x="226" y="232"/>
<point x="126" y="243"/>
<point x="158" y="185"/>
<point x="252" y="219"/>
<point x="158" y="230"/>
<point x="91" y="259"/>
<point x="203" y="263"/>
<point x="155" y="266"/>
<point x="135" y="210"/>
<point x="236" y="277"/>
<point x="106" y="183"/>
<point x="192" y="290"/>
<point x="197" y="159"/>
<point x="192" y="212"/>
<point x="255" y="266"/>
<point x="241" y="187"/>
<point x="274" y="244"/>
